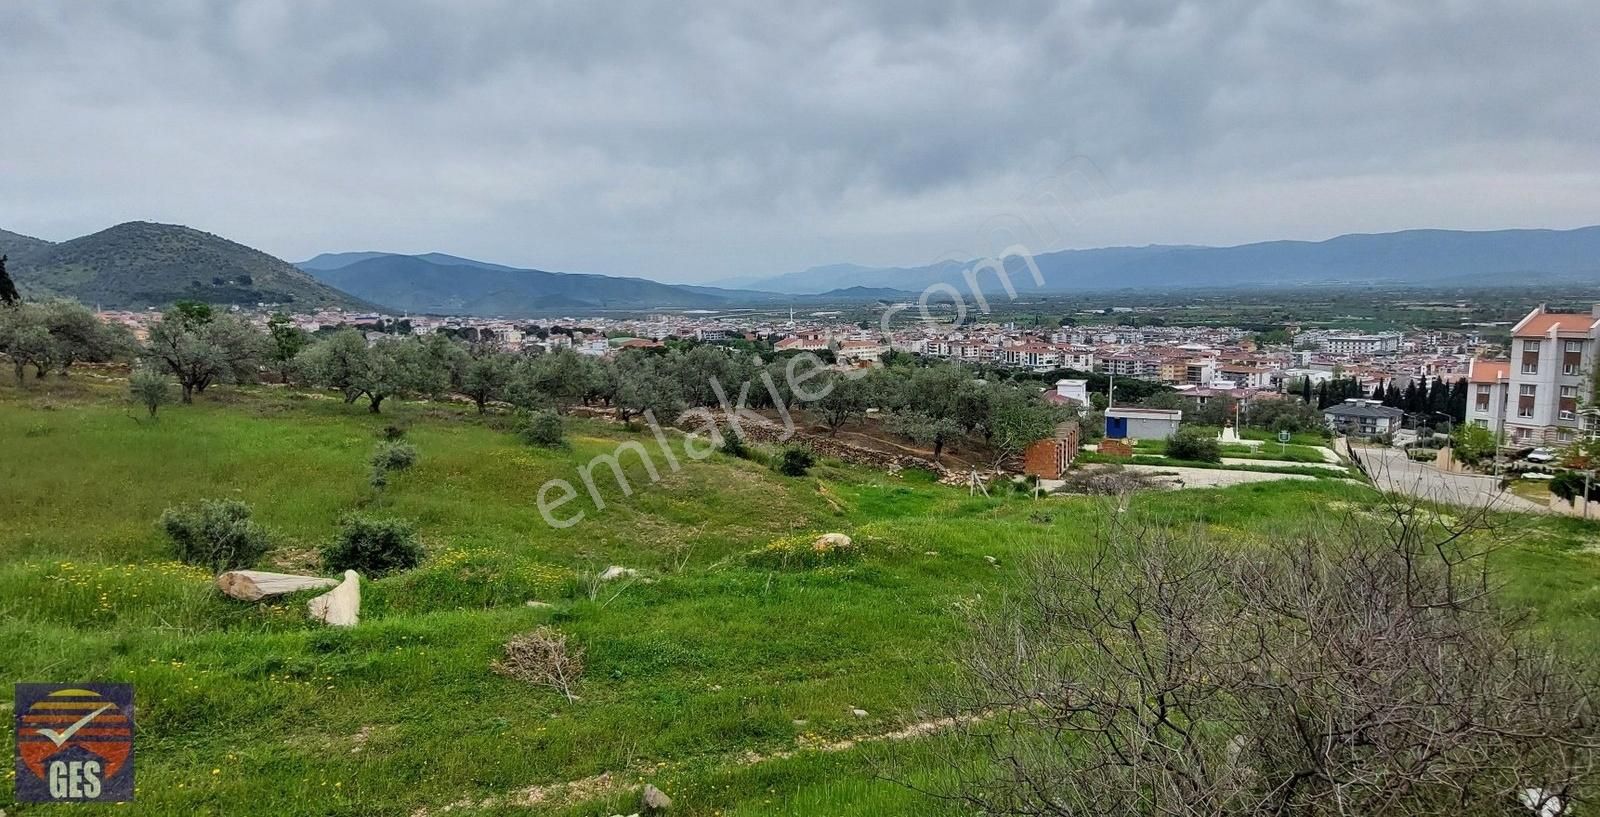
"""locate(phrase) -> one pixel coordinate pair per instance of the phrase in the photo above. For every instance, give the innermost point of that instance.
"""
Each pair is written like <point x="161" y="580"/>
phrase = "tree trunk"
<point x="938" y="448"/>
<point x="254" y="585"/>
<point x="482" y="403"/>
<point x="373" y="404"/>
<point x="188" y="393"/>
<point x="20" y="376"/>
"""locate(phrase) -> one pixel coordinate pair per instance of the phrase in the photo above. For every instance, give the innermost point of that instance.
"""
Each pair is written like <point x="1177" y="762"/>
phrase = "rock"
<point x="655" y="800"/>
<point x="930" y="553"/>
<point x="860" y="713"/>
<point x="255" y="585"/>
<point x="991" y="560"/>
<point x="615" y="572"/>
<point x="543" y="605"/>
<point x="341" y="606"/>
<point x="831" y="541"/>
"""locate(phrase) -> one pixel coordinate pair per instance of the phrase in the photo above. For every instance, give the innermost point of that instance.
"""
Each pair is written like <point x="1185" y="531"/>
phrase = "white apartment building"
<point x="1387" y="343"/>
<point x="1538" y="396"/>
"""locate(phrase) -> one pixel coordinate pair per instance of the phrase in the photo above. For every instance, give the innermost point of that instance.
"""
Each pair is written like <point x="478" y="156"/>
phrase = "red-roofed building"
<point x="1549" y="379"/>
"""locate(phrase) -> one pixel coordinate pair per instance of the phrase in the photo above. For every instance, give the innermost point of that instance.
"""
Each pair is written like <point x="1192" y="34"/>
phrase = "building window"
<point x="1574" y="346"/>
<point x="1528" y="390"/>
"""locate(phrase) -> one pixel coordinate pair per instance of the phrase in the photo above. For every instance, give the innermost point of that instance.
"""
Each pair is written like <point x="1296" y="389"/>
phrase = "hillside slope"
<point x="140" y="264"/>
<point x="442" y="284"/>
<point x="19" y="247"/>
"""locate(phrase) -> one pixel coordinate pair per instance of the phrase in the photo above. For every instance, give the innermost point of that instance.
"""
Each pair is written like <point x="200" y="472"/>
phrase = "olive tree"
<point x="846" y="400"/>
<point x="25" y="339"/>
<point x="286" y="342"/>
<point x="645" y="384"/>
<point x="488" y="376"/>
<point x="201" y="349"/>
<point x="149" y="388"/>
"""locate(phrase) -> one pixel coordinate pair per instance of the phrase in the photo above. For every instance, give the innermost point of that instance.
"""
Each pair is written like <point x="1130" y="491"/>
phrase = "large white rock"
<point x="341" y="606"/>
<point x="255" y="585"/>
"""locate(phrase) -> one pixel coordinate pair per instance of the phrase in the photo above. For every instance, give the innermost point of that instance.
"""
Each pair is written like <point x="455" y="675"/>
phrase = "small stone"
<point x="930" y="553"/>
<point x="991" y="560"/>
<point x="655" y="800"/>
<point x="542" y="605"/>
<point x="716" y="687"/>
<point x="615" y="572"/>
<point x="831" y="541"/>
<point x="860" y="713"/>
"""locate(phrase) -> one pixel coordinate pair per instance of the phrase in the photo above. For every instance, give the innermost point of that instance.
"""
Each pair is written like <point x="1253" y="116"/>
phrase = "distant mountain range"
<point x="139" y="264"/>
<point x="1410" y="257"/>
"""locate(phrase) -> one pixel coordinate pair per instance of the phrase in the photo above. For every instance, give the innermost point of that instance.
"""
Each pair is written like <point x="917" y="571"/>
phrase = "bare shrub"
<point x="1360" y="670"/>
<point x="543" y="657"/>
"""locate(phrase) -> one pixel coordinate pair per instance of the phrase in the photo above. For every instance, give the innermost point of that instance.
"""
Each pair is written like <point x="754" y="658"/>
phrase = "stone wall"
<point x="825" y="446"/>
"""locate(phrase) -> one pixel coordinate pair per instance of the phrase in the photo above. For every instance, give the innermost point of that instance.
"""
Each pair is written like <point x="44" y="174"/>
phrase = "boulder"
<point x="655" y="800"/>
<point x="831" y="541"/>
<point x="341" y="606"/>
<point x="615" y="572"/>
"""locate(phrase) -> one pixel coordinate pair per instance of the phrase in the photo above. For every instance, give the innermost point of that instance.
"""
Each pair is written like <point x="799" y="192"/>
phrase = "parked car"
<point x="1541" y="455"/>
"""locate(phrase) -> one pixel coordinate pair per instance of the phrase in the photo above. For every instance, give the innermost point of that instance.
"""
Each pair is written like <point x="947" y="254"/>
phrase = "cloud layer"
<point x="690" y="143"/>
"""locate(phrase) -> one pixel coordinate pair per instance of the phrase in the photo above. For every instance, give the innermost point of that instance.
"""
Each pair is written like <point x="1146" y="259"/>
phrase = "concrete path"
<point x="1210" y="477"/>
<point x="1393" y="471"/>
<point x="1327" y="466"/>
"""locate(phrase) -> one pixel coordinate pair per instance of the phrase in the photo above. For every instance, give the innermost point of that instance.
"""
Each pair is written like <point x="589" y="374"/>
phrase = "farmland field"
<point x="727" y="675"/>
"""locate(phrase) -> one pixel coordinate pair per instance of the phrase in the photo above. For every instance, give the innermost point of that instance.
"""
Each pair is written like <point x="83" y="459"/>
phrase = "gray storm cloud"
<point x="691" y="141"/>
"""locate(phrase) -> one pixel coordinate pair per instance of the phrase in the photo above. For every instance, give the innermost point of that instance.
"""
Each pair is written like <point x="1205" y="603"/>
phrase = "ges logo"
<point x="74" y="742"/>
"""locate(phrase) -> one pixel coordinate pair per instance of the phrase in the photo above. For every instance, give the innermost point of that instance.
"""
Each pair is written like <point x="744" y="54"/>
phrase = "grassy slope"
<point x="250" y="704"/>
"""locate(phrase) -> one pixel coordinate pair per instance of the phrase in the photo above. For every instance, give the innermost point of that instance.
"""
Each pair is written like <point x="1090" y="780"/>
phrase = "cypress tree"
<point x="8" y="290"/>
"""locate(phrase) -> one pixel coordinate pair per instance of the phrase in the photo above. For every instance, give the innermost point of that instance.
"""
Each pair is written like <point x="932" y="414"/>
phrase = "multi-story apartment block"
<point x="1386" y="343"/>
<point x="1539" y="395"/>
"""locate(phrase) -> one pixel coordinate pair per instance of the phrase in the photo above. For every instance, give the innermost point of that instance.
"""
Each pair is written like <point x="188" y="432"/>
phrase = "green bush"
<point x="393" y="433"/>
<point x="1193" y="445"/>
<point x="796" y="461"/>
<point x="373" y="547"/>
<point x="389" y="457"/>
<point x="543" y="429"/>
<point x="733" y="444"/>
<point x="1569" y="485"/>
<point x="217" y="534"/>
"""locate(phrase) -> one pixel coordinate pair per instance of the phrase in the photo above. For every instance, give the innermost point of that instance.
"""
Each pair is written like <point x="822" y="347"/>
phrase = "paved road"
<point x="1393" y="471"/>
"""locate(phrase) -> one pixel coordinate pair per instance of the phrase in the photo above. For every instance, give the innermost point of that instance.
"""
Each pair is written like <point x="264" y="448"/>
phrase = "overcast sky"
<point x="696" y="141"/>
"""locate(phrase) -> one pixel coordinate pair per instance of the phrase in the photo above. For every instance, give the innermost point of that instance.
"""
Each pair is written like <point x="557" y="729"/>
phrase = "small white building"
<point x="1133" y="423"/>
<point x="1070" y="391"/>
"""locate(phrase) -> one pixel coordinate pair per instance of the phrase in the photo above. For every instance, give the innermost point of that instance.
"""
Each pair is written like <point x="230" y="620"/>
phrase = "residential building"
<point x="1357" y="417"/>
<point x="1553" y="356"/>
<point x="1488" y="382"/>
<point x="1073" y="392"/>
<point x="1387" y="343"/>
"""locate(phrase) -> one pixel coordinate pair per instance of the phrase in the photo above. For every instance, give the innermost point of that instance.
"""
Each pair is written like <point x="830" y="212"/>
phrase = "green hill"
<point x="20" y="247"/>
<point x="140" y="264"/>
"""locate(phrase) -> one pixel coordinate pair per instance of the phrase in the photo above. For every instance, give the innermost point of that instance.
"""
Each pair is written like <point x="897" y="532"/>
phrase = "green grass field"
<point x="726" y="681"/>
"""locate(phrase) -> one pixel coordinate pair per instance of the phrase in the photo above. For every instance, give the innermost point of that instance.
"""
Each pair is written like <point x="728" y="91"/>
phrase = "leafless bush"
<point x="1112" y="481"/>
<point x="543" y="657"/>
<point x="1360" y="670"/>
